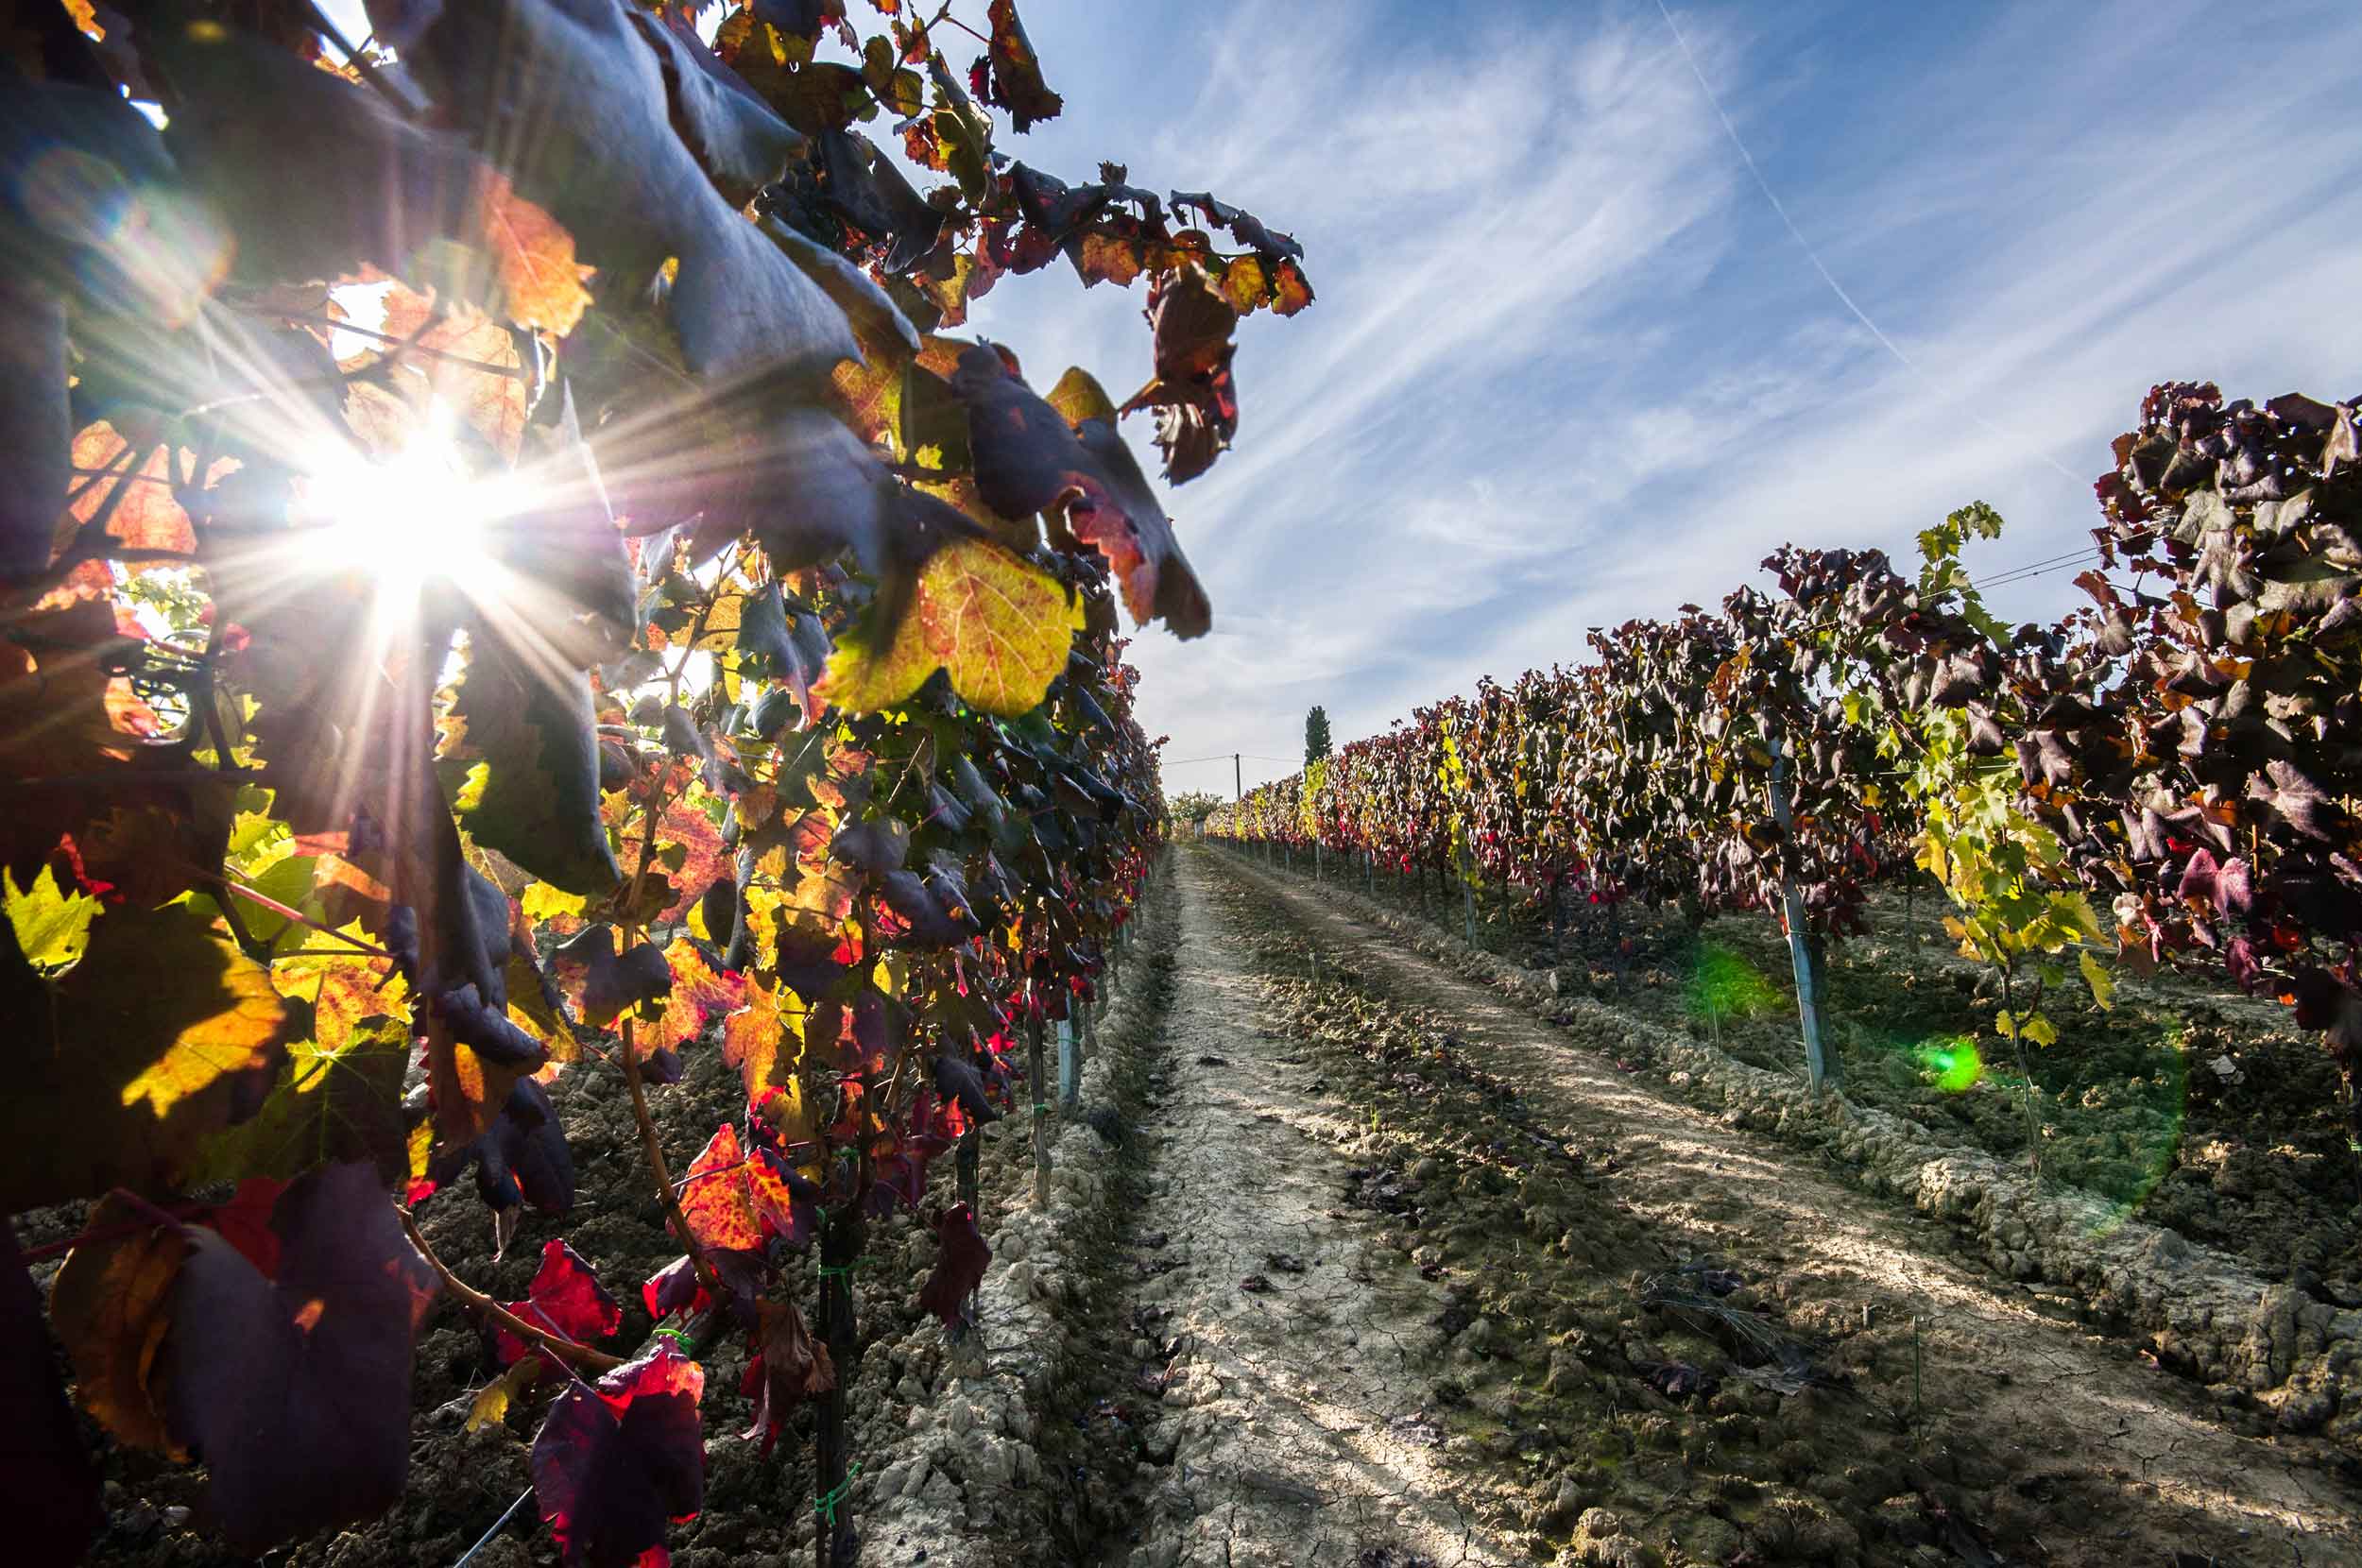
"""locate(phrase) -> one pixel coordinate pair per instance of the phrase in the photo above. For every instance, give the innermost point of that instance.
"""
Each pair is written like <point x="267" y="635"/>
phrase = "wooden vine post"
<point x="1820" y="1069"/>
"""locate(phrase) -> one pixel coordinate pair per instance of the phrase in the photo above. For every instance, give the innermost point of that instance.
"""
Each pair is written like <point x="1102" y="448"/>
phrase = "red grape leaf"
<point x="1244" y="227"/>
<point x="785" y="1202"/>
<point x="295" y="1390"/>
<point x="601" y="983"/>
<point x="959" y="1082"/>
<point x="698" y="997"/>
<point x="1196" y="400"/>
<point x="703" y="854"/>
<point x="1014" y="80"/>
<point x="565" y="1298"/>
<point x="611" y="1466"/>
<point x="673" y="1289"/>
<point x="716" y="1198"/>
<point x="520" y="1158"/>
<point x="960" y="1265"/>
<point x="245" y="1222"/>
<point x="1120" y="516"/>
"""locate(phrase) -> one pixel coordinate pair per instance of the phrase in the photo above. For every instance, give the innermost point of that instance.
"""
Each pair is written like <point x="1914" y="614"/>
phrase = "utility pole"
<point x="1238" y="780"/>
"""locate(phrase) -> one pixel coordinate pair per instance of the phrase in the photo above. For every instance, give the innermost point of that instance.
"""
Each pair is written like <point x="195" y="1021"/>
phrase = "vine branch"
<point x="572" y="1352"/>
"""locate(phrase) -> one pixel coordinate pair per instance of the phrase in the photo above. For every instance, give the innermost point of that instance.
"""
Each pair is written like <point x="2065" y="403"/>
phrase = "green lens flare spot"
<point x="1954" y="1063"/>
<point x="1724" y="985"/>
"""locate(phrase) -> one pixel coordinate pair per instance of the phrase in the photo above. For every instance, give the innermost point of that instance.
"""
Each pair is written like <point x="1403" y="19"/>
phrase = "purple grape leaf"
<point x="48" y="1486"/>
<point x="612" y="1465"/>
<point x="294" y="1389"/>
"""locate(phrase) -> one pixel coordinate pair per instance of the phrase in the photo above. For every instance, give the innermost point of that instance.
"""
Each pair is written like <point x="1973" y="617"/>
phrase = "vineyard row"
<point x="2183" y="751"/>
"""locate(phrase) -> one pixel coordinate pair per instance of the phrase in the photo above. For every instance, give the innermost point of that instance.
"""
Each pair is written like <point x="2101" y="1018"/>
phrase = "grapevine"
<point x="2179" y="753"/>
<point x="507" y="576"/>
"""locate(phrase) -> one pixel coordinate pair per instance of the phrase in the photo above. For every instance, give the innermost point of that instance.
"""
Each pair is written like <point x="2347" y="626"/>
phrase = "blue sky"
<point x="1567" y="367"/>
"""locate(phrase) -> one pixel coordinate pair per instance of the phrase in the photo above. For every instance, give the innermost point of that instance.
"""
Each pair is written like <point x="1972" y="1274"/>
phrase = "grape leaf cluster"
<point x="775" y="704"/>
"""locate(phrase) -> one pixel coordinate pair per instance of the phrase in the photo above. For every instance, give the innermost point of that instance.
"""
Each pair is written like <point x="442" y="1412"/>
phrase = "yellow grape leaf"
<point x="2038" y="1029"/>
<point x="1244" y="283"/>
<point x="120" y="1084"/>
<point x="543" y="902"/>
<point x="111" y="1305"/>
<point x="533" y="256"/>
<point x="1079" y="397"/>
<point x="339" y="1095"/>
<point x="869" y="396"/>
<point x="490" y="1406"/>
<point x="2096" y="975"/>
<point x="419" y="1148"/>
<point x="998" y="625"/>
<point x="52" y="927"/>
<point x="698" y="994"/>
<point x="765" y="1040"/>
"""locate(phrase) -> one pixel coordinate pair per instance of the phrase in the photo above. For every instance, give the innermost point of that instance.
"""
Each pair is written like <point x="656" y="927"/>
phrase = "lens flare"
<point x="1723" y="986"/>
<point x="403" y="522"/>
<point x="1953" y="1063"/>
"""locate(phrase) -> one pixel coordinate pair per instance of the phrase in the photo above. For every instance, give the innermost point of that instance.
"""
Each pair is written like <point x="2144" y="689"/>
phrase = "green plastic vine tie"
<point x="840" y="1271"/>
<point x="1041" y="1108"/>
<point x="825" y="1506"/>
<point x="673" y="1332"/>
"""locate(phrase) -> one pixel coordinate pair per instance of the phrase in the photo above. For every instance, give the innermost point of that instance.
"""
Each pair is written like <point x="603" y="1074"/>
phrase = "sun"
<point x="402" y="522"/>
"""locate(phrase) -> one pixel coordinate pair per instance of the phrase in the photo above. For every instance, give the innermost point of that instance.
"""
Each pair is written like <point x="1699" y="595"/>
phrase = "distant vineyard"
<point x="2185" y="750"/>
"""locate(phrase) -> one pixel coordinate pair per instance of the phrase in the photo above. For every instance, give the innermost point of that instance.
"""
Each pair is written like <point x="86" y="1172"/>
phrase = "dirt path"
<point x="1299" y="1350"/>
<point x="2121" y="1463"/>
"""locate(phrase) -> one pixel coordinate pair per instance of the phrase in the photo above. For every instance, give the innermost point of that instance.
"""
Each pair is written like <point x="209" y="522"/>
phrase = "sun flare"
<point x="419" y="516"/>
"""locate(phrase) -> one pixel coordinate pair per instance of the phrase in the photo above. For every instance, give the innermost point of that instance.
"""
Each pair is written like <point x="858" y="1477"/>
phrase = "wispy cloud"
<point x="1566" y="368"/>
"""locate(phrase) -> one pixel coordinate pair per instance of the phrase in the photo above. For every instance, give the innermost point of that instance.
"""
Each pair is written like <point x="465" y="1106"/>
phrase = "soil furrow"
<point x="1291" y="1352"/>
<point x="2048" y="1399"/>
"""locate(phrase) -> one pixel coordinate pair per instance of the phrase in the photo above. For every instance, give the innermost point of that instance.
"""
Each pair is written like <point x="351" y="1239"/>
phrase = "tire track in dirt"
<point x="2054" y="1401"/>
<point x="1299" y="1348"/>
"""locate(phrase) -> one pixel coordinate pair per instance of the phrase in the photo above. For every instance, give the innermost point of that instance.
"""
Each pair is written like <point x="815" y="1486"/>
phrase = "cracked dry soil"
<point x="1536" y="1190"/>
<point x="1280" y="1355"/>
<point x="1379" y="1297"/>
